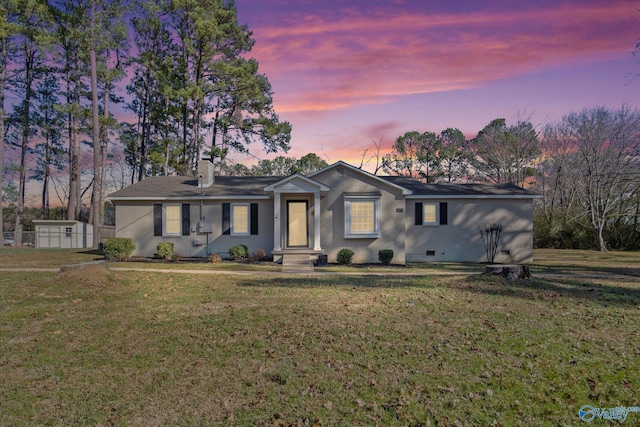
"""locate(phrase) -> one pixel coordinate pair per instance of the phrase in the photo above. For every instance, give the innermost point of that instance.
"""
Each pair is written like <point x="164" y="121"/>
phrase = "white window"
<point x="68" y="231"/>
<point x="240" y="219"/>
<point x="172" y="220"/>
<point x="430" y="214"/>
<point x="362" y="217"/>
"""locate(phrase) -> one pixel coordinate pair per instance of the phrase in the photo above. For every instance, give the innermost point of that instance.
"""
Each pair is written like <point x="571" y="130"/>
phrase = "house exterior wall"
<point x="134" y="219"/>
<point x="343" y="180"/>
<point x="220" y="243"/>
<point x="460" y="239"/>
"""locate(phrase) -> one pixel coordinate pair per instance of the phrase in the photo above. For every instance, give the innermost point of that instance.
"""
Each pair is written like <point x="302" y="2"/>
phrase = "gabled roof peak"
<point x="340" y="163"/>
<point x="296" y="176"/>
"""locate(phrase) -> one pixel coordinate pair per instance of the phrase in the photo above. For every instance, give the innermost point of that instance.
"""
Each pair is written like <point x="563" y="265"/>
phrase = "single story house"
<point x="337" y="207"/>
<point x="63" y="234"/>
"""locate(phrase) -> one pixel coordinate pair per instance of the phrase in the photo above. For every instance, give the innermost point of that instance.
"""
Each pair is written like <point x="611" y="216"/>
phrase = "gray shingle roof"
<point x="419" y="188"/>
<point x="162" y="187"/>
<point x="175" y="187"/>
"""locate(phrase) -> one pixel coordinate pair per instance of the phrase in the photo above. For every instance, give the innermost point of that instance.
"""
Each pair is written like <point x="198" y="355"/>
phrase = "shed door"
<point x="49" y="237"/>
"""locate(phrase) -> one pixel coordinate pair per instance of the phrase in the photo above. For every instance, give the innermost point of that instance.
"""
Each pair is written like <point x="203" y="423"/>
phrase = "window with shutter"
<point x="240" y="219"/>
<point x="171" y="219"/>
<point x="431" y="213"/>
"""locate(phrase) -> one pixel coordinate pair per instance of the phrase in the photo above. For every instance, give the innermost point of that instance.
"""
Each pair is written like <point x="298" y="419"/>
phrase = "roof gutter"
<point x="474" y="196"/>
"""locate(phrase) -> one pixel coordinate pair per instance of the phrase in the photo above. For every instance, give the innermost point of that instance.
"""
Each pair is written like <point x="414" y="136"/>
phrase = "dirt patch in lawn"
<point x="91" y="273"/>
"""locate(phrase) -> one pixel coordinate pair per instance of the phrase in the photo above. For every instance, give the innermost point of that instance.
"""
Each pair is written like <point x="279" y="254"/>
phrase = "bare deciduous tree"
<point x="376" y="156"/>
<point x="608" y="148"/>
<point x="591" y="168"/>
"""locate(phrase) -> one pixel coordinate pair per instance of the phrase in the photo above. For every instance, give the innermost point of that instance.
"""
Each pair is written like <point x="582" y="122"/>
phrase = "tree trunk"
<point x="97" y="148"/>
<point x="602" y="244"/>
<point x="29" y="52"/>
<point x="144" y="134"/>
<point x="3" y="75"/>
<point x="47" y="173"/>
<point x="104" y="139"/>
<point x="73" y="102"/>
<point x="509" y="272"/>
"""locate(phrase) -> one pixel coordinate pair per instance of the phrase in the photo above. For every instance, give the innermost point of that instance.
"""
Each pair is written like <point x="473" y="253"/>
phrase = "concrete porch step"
<point x="298" y="263"/>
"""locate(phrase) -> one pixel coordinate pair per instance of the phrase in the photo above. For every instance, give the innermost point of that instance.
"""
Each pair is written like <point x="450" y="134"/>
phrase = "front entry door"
<point x="297" y="228"/>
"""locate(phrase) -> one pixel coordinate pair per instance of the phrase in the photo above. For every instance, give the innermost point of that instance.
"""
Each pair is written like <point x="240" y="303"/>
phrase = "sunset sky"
<point x="348" y="72"/>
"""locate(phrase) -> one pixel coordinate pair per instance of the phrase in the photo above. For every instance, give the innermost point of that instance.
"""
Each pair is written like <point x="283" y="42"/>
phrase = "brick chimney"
<point x="206" y="175"/>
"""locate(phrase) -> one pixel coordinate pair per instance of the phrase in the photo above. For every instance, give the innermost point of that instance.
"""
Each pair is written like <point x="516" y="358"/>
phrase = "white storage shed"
<point x="63" y="234"/>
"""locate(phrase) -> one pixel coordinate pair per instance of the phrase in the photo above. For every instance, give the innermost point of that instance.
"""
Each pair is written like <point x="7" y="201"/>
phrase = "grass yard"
<point x="29" y="257"/>
<point x="92" y="347"/>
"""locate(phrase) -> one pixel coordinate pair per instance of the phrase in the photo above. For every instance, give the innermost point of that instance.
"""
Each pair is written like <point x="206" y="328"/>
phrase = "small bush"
<point x="215" y="259"/>
<point x="258" y="255"/>
<point x="165" y="250"/>
<point x="175" y="257"/>
<point x="239" y="251"/>
<point x="118" y="248"/>
<point x="385" y="256"/>
<point x="345" y="256"/>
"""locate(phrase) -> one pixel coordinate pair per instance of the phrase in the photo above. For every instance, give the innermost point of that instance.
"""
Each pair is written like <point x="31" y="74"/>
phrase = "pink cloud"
<point x="382" y="131"/>
<point x="318" y="64"/>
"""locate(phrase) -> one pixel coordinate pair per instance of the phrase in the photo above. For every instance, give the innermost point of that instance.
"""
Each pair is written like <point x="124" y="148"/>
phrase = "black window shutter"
<point x="186" y="220"/>
<point x="443" y="213"/>
<point x="254" y="218"/>
<point x="226" y="218"/>
<point x="418" y="220"/>
<point x="157" y="220"/>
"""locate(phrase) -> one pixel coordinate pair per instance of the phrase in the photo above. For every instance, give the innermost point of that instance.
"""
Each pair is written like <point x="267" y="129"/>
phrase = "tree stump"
<point x="509" y="272"/>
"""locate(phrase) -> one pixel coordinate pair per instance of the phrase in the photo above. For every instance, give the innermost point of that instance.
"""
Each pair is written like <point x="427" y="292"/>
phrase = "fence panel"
<point x="28" y="238"/>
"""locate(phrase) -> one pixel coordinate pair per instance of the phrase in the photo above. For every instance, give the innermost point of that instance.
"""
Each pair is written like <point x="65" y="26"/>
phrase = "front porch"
<point x="296" y="222"/>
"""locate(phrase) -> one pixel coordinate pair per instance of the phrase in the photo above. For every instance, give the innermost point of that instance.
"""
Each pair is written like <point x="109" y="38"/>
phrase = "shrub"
<point x="165" y="250"/>
<point x="385" y="256"/>
<point x="239" y="251"/>
<point x="491" y="238"/>
<point x="175" y="257"/>
<point x="345" y="256"/>
<point x="258" y="255"/>
<point x="215" y="259"/>
<point x="118" y="248"/>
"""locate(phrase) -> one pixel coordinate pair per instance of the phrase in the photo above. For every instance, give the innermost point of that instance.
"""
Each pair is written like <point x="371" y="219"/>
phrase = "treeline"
<point x="499" y="153"/>
<point x="585" y="166"/>
<point x="180" y="68"/>
<point x="589" y="179"/>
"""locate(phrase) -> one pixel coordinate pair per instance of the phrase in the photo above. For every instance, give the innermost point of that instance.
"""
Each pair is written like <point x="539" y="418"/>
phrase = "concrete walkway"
<point x="316" y="272"/>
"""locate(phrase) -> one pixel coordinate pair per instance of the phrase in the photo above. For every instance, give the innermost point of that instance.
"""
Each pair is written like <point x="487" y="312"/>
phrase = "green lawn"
<point x="92" y="347"/>
<point x="29" y="257"/>
<point x="551" y="261"/>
